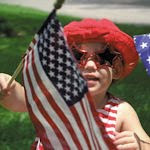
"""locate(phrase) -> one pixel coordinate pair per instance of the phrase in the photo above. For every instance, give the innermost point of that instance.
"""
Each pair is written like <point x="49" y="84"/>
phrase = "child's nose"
<point x="90" y="64"/>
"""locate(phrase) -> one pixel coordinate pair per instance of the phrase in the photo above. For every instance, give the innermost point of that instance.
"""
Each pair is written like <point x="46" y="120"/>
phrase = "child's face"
<point x="95" y="69"/>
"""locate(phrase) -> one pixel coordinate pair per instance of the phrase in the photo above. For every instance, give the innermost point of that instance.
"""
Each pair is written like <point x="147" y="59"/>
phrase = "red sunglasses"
<point x="105" y="56"/>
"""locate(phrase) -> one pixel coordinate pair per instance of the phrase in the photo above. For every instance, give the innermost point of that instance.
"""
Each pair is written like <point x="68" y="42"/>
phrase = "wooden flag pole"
<point x="15" y="74"/>
<point x="58" y="4"/>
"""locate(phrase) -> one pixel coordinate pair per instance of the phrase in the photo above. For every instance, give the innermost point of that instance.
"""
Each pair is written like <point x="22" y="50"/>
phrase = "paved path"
<point x="117" y="12"/>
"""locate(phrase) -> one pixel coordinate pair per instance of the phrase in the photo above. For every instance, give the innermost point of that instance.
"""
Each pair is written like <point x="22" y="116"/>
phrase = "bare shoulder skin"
<point x="130" y="133"/>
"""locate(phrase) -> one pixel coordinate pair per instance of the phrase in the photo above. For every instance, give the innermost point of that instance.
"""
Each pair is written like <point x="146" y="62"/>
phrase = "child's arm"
<point x="13" y="97"/>
<point x="131" y="134"/>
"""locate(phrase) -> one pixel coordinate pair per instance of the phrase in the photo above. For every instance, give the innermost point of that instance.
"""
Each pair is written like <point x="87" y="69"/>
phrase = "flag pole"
<point x="57" y="5"/>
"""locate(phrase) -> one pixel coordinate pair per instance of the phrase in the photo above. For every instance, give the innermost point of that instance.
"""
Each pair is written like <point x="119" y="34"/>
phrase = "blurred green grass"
<point x="16" y="129"/>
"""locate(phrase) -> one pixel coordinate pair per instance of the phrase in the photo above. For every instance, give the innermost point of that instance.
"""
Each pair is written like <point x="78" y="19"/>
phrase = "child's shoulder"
<point x="122" y="104"/>
<point x="126" y="115"/>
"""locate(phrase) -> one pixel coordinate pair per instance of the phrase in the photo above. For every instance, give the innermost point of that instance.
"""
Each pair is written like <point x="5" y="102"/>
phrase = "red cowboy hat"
<point x="91" y="30"/>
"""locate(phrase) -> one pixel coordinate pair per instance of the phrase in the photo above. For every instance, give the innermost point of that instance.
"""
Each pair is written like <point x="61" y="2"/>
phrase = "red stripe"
<point x="110" y="110"/>
<point x="56" y="107"/>
<point x="109" y="125"/>
<point x="98" y="121"/>
<point x="89" y="125"/>
<point x="95" y="117"/>
<point x="109" y="132"/>
<point x="78" y="120"/>
<point x="112" y="104"/>
<point x="37" y="124"/>
<point x="107" y="117"/>
<point x="45" y="115"/>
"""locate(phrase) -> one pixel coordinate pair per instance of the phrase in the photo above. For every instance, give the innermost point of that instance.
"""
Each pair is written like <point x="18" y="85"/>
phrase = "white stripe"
<point x="112" y="107"/>
<point x="51" y="111"/>
<point x="109" y="135"/>
<point x="96" y="128"/>
<point x="49" y="131"/>
<point x="36" y="37"/>
<point x="84" y="123"/>
<point x="32" y="45"/>
<point x="90" y="123"/>
<point x="110" y="129"/>
<point x="107" y="113"/>
<point x="105" y="120"/>
<point x="60" y="102"/>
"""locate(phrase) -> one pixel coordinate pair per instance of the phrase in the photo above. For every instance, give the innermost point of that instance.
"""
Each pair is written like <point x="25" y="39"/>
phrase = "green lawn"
<point x="17" y="27"/>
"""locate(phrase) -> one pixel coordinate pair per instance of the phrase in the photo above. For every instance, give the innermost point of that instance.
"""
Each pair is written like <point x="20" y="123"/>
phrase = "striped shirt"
<point x="108" y="116"/>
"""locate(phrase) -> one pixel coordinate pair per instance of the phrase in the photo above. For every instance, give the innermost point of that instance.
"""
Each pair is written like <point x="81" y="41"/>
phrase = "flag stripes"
<point x="64" y="117"/>
<point x="31" y="73"/>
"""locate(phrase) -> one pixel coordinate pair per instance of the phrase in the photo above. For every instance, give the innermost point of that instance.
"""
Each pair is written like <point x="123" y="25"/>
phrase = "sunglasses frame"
<point x="94" y="56"/>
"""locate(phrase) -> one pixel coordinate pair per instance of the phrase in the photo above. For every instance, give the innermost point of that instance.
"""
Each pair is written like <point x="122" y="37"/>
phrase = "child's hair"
<point x="104" y="31"/>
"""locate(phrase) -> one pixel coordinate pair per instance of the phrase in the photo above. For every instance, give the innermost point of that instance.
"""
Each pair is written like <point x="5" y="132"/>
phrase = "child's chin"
<point x="93" y="91"/>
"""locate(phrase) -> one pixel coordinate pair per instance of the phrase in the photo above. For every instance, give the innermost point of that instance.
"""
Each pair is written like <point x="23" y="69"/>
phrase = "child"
<point x="104" y="54"/>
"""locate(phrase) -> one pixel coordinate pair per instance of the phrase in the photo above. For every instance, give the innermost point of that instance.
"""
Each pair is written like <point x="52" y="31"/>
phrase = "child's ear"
<point x="117" y="69"/>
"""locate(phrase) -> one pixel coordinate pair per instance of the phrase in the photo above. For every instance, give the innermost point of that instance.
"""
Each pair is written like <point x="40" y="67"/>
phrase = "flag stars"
<point x="144" y="45"/>
<point x="60" y="34"/>
<point x="60" y="77"/>
<point x="67" y="97"/>
<point x="60" y="42"/>
<point x="48" y="26"/>
<point x="148" y="59"/>
<point x="60" y="68"/>
<point x="67" y="89"/>
<point x="44" y="62"/>
<point x="45" y="31"/>
<point x="67" y="81"/>
<point x="52" y="30"/>
<point x="41" y="40"/>
<point x="60" y="60"/>
<point x="68" y="55"/>
<point x="68" y="72"/>
<point x="51" y="74"/>
<point x="52" y="49"/>
<point x="52" y="40"/>
<point x="44" y="54"/>
<point x="46" y="35"/>
<point x="45" y="44"/>
<point x="51" y="57"/>
<point x="60" y="51"/>
<point x="40" y="49"/>
<point x="68" y="63"/>
<point x="148" y="35"/>
<point x="75" y="84"/>
<point x="52" y="21"/>
<point x="75" y="92"/>
<point x="51" y="65"/>
<point x="59" y="85"/>
<point x="134" y="40"/>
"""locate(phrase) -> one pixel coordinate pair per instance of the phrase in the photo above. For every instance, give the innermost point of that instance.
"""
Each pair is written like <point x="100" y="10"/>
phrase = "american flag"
<point x="142" y="43"/>
<point x="58" y="101"/>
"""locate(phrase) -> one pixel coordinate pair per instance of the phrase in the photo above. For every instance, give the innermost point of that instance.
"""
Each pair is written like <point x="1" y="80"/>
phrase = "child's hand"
<point x="5" y="90"/>
<point x="126" y="140"/>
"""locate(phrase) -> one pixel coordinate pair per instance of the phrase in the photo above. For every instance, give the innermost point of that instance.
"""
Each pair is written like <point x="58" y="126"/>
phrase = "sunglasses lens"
<point x="77" y="54"/>
<point x="103" y="56"/>
<point x="107" y="56"/>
